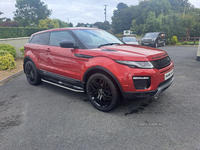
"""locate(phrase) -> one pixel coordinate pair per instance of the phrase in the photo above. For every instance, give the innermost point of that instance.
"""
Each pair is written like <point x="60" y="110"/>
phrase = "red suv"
<point x="97" y="63"/>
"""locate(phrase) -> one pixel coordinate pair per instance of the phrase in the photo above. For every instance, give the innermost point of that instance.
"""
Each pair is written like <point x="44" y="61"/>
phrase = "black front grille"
<point x="161" y="63"/>
<point x="147" y="40"/>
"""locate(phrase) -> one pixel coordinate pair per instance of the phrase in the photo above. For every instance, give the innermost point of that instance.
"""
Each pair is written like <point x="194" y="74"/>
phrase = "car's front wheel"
<point x="32" y="74"/>
<point x="156" y="45"/>
<point x="164" y="44"/>
<point x="102" y="92"/>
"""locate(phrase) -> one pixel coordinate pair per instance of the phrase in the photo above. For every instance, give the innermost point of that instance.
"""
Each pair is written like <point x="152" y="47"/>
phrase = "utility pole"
<point x="105" y="11"/>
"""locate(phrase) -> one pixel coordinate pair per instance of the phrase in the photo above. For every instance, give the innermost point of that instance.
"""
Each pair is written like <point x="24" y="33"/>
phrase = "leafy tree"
<point x="178" y="5"/>
<point x="122" y="18"/>
<point x="8" y="19"/>
<point x="103" y="25"/>
<point x="48" y="23"/>
<point x="1" y="19"/>
<point x="70" y="24"/>
<point x="80" y="25"/>
<point x="121" y="6"/>
<point x="159" y="7"/>
<point x="30" y="11"/>
<point x="62" y="24"/>
<point x="98" y="24"/>
<point x="152" y="23"/>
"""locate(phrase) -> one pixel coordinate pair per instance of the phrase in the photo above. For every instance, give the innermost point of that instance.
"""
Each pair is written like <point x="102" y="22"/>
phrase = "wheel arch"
<point x="100" y="69"/>
<point x="26" y="59"/>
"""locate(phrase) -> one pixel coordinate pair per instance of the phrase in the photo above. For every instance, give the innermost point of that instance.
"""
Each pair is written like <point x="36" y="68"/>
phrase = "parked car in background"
<point x="154" y="39"/>
<point x="95" y="62"/>
<point x="130" y="40"/>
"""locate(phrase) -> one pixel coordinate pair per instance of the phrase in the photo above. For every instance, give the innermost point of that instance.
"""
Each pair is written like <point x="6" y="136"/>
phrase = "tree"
<point x="48" y="23"/>
<point x="81" y="25"/>
<point x="62" y="24"/>
<point x="152" y="23"/>
<point x="122" y="18"/>
<point x="103" y="25"/>
<point x="178" y="6"/>
<point x="30" y="11"/>
<point x="98" y="24"/>
<point x="1" y="19"/>
<point x="121" y="6"/>
<point x="71" y="24"/>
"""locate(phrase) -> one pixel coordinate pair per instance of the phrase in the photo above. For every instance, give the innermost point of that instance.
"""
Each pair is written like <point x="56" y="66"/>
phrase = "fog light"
<point x="141" y="82"/>
<point x="138" y="78"/>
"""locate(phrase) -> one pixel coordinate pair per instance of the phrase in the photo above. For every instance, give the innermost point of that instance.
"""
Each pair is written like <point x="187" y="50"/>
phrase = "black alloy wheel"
<point x="32" y="74"/>
<point x="102" y="92"/>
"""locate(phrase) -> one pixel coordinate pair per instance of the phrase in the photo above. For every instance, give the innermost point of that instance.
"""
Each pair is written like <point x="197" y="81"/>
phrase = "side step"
<point x="81" y="90"/>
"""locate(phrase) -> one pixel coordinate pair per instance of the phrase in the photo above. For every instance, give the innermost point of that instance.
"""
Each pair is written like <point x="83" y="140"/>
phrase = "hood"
<point x="127" y="52"/>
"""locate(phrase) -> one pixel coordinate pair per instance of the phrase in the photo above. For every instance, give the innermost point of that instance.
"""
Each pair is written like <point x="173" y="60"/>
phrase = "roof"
<point x="61" y="29"/>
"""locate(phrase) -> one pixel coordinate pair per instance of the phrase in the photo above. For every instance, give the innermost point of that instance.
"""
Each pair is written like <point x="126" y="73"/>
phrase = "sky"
<point x="77" y="11"/>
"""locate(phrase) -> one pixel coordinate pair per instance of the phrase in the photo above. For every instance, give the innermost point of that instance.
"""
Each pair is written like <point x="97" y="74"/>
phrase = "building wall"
<point x="16" y="42"/>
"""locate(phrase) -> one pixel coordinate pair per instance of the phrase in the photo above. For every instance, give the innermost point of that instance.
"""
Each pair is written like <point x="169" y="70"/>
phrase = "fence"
<point x="16" y="42"/>
<point x="188" y="39"/>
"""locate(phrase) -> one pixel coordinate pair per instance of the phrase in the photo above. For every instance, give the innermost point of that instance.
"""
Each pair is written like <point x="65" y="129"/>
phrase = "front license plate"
<point x="169" y="74"/>
<point x="146" y="43"/>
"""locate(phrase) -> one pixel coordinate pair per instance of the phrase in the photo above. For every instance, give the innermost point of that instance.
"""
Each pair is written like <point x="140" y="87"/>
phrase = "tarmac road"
<point x="47" y="117"/>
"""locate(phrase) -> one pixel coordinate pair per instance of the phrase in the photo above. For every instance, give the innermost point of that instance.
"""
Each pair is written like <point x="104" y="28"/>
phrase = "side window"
<point x="41" y="39"/>
<point x="57" y="37"/>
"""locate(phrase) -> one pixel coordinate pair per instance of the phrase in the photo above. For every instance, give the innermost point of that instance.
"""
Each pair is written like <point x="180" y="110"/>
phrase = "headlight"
<point x="137" y="64"/>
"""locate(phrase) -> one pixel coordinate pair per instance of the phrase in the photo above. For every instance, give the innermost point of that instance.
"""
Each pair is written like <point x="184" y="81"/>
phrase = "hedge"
<point x="13" y="32"/>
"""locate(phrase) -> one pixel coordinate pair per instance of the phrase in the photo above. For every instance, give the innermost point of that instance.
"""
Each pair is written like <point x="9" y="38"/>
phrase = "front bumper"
<point x="140" y="95"/>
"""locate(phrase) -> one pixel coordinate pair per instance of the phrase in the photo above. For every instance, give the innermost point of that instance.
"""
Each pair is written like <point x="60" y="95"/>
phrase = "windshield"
<point x="151" y="35"/>
<point x="129" y="39"/>
<point x="95" y="38"/>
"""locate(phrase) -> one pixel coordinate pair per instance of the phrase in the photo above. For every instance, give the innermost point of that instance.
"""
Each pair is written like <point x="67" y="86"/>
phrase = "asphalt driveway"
<point x="47" y="117"/>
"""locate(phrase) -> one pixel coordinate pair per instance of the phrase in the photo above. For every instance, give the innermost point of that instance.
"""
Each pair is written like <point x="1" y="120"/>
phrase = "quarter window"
<point x="57" y="37"/>
<point x="41" y="39"/>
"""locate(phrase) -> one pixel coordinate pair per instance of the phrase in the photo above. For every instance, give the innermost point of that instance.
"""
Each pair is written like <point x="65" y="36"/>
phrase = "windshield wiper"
<point x="108" y="44"/>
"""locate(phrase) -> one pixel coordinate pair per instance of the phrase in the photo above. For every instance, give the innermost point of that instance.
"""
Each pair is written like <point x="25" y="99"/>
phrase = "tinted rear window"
<point x="41" y="39"/>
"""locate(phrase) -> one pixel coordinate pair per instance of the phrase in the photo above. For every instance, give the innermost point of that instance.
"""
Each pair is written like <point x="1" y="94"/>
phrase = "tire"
<point x="164" y="44"/>
<point x="156" y="45"/>
<point x="102" y="92"/>
<point x="32" y="74"/>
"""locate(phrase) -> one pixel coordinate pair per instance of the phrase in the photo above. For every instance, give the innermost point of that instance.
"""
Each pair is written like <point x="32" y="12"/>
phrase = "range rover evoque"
<point x="97" y="63"/>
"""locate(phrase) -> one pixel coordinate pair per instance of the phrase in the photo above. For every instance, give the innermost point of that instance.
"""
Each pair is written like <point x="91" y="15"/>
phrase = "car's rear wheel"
<point x="32" y="74"/>
<point x="102" y="92"/>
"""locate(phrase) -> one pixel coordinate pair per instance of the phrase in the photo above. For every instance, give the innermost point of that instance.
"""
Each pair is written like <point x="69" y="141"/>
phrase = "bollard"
<point x="198" y="52"/>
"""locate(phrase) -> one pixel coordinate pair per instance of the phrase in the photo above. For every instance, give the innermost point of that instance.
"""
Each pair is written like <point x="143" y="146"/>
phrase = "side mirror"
<point x="67" y="44"/>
